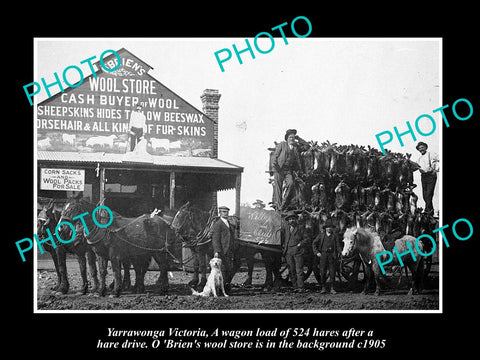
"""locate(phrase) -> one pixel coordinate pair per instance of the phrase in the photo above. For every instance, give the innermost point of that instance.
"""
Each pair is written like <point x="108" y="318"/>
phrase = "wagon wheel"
<point x="349" y="267"/>
<point x="394" y="275"/>
<point x="284" y="273"/>
<point x="307" y="271"/>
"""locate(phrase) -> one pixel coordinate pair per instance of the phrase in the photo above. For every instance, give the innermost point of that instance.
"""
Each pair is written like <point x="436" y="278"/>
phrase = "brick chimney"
<point x="210" y="99"/>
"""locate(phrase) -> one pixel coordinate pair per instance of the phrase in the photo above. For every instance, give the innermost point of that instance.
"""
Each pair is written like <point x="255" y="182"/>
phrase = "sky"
<point x="344" y="90"/>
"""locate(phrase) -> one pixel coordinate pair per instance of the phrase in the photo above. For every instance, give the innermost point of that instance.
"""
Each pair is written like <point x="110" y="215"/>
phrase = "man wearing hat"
<point x="326" y="247"/>
<point x="285" y="160"/>
<point x="428" y="169"/>
<point x="223" y="235"/>
<point x="294" y="238"/>
<point x="137" y="126"/>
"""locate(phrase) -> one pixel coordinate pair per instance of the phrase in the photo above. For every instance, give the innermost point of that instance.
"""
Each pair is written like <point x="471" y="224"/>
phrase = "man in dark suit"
<point x="294" y="238"/>
<point x="285" y="160"/>
<point x="223" y="242"/>
<point x="326" y="247"/>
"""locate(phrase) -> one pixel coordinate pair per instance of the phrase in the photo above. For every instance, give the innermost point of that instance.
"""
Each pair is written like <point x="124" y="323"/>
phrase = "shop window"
<point x="119" y="188"/>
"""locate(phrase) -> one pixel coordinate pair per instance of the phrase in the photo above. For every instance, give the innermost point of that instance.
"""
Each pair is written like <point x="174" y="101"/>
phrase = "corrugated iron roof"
<point x="65" y="156"/>
<point x="130" y="158"/>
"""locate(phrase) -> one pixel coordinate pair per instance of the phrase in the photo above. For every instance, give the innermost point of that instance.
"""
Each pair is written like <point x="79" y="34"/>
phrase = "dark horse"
<point x="47" y="218"/>
<point x="272" y="259"/>
<point x="132" y="239"/>
<point x="193" y="226"/>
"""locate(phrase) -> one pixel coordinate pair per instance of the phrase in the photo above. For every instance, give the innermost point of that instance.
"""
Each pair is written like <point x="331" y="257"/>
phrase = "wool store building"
<point x="83" y="144"/>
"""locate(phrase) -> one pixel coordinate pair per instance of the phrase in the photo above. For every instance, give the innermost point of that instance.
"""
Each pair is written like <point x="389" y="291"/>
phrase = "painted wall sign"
<point x="62" y="179"/>
<point x="95" y="115"/>
<point x="260" y="226"/>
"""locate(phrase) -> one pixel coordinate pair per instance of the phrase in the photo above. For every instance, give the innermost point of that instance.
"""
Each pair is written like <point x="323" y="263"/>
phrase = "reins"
<point x="201" y="238"/>
<point x="97" y="234"/>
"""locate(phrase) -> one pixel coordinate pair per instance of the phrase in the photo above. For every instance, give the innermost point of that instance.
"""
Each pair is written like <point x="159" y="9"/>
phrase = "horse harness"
<point x="201" y="238"/>
<point x="355" y="238"/>
<point x="97" y="235"/>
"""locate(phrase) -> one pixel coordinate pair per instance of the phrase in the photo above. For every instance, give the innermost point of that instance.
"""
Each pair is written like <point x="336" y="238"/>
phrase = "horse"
<point x="48" y="218"/>
<point x="193" y="226"/>
<point x="368" y="245"/>
<point x="271" y="257"/>
<point x="425" y="224"/>
<point x="125" y="239"/>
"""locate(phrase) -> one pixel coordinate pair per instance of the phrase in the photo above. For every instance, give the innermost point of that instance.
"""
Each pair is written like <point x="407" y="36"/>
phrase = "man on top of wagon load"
<point x="286" y="160"/>
<point x="428" y="163"/>
<point x="223" y="237"/>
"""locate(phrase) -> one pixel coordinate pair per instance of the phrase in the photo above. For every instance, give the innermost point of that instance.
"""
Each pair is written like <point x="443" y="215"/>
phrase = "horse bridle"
<point x="44" y="223"/>
<point x="178" y="228"/>
<point x="354" y="241"/>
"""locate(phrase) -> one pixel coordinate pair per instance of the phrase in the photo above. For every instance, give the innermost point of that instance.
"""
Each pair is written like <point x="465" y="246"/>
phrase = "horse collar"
<point x="90" y="237"/>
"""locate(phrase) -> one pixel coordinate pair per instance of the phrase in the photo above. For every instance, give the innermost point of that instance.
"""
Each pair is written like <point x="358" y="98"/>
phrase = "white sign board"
<point x="62" y="179"/>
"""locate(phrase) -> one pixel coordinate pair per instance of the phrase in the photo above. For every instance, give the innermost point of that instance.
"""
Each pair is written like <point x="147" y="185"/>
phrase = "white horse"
<point x="368" y="245"/>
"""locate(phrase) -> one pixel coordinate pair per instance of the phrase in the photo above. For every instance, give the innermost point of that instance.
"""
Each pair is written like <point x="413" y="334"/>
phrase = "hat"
<point x="259" y="203"/>
<point x="420" y="144"/>
<point x="290" y="214"/>
<point x="290" y="131"/>
<point x="223" y="208"/>
<point x="328" y="224"/>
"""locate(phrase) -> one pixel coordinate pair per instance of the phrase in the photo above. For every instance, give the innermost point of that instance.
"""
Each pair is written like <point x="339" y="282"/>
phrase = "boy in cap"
<point x="326" y="247"/>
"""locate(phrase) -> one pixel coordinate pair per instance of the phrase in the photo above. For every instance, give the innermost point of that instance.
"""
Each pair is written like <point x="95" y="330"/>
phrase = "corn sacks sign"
<point x="94" y="116"/>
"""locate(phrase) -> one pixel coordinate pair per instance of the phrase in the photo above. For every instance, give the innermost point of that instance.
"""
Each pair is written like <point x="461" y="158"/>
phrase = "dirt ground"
<point x="241" y="298"/>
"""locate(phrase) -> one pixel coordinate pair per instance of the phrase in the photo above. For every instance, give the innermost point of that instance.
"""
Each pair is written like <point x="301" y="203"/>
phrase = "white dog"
<point x="214" y="281"/>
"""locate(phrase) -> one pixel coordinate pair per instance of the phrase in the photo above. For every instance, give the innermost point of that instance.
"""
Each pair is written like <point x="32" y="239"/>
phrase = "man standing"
<point x="285" y="160"/>
<point x="223" y="241"/>
<point x="326" y="247"/>
<point x="294" y="238"/>
<point x="137" y="126"/>
<point x="428" y="169"/>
